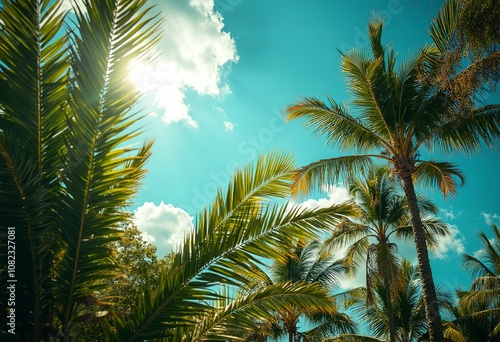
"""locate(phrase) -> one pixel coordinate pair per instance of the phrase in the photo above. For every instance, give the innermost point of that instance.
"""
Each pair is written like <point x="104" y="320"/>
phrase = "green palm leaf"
<point x="224" y="244"/>
<point x="32" y="90"/>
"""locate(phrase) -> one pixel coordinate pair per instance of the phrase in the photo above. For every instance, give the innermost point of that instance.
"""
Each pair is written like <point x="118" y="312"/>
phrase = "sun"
<point x="141" y="75"/>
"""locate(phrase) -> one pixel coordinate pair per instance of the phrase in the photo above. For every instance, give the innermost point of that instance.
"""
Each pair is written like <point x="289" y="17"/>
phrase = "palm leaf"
<point x="100" y="173"/>
<point x="32" y="91"/>
<point x="240" y="313"/>
<point x="211" y="255"/>
<point x="439" y="174"/>
<point x="329" y="171"/>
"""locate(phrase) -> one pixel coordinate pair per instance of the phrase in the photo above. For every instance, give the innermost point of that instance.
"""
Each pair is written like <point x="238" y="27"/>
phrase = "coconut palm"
<point x="303" y="262"/>
<point x="231" y="237"/>
<point x="66" y="171"/>
<point x="384" y="215"/>
<point x="409" y="314"/>
<point x="398" y="115"/>
<point x="477" y="313"/>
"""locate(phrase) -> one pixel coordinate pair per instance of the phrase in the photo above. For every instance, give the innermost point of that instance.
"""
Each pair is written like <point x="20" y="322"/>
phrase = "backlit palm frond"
<point x="335" y="123"/>
<point x="343" y="235"/>
<point x="439" y="174"/>
<point x="453" y="332"/>
<point x="100" y="172"/>
<point x="329" y="171"/>
<point x="248" y="190"/>
<point x="210" y="256"/>
<point x="355" y="254"/>
<point x="484" y="290"/>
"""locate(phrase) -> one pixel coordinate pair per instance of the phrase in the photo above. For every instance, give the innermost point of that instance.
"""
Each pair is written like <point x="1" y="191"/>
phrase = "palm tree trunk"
<point x="390" y="313"/>
<point x="428" y="288"/>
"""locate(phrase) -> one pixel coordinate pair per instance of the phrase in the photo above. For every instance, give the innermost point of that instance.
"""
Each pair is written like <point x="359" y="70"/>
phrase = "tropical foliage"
<point x="303" y="262"/>
<point x="71" y="162"/>
<point x="410" y="323"/>
<point x="230" y="239"/>
<point x="477" y="313"/>
<point x="466" y="33"/>
<point x="384" y="215"/>
<point x="66" y="169"/>
<point x="397" y="113"/>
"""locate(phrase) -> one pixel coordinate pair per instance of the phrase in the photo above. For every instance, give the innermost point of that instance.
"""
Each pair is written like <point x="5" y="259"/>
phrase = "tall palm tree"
<point x="383" y="214"/>
<point x="66" y="172"/>
<point x="242" y="226"/>
<point x="398" y="115"/>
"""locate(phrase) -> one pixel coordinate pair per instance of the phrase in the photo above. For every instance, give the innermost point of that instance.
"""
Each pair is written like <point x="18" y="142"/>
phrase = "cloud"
<point x="164" y="225"/>
<point x="67" y="5"/>
<point x="453" y="242"/>
<point x="194" y="54"/>
<point x="229" y="126"/>
<point x="490" y="219"/>
<point x="336" y="195"/>
<point x="450" y="213"/>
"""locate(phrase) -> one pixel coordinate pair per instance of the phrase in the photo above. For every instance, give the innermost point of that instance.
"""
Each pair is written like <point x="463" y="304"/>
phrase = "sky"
<point x="227" y="70"/>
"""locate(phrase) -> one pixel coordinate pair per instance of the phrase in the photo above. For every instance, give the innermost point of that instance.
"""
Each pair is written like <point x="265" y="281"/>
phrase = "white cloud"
<point x="193" y="51"/>
<point x="450" y="213"/>
<point x="336" y="195"/>
<point x="454" y="242"/>
<point x="164" y="225"/>
<point x="67" y="5"/>
<point x="490" y="219"/>
<point x="229" y="126"/>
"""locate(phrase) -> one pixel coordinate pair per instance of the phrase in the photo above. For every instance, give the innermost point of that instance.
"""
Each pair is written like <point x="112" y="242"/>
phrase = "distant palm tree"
<point x="409" y="313"/>
<point x="399" y="114"/>
<point x="477" y="314"/>
<point x="383" y="213"/>
<point x="303" y="262"/>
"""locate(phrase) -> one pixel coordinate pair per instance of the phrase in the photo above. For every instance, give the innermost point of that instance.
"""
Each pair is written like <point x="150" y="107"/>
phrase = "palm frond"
<point x="329" y="171"/>
<point x="211" y="255"/>
<point x="469" y="132"/>
<point x="240" y="314"/>
<point x="334" y="121"/>
<point x="33" y="83"/>
<point x="100" y="172"/>
<point x="439" y="174"/>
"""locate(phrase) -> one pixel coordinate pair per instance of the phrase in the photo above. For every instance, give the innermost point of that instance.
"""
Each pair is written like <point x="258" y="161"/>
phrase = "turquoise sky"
<point x="266" y="56"/>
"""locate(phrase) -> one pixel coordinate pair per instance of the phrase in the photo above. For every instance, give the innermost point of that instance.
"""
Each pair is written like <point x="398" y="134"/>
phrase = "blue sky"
<point x="226" y="72"/>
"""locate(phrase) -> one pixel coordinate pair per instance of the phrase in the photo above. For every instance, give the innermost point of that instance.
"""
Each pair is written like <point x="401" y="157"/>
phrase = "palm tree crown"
<point x="398" y="114"/>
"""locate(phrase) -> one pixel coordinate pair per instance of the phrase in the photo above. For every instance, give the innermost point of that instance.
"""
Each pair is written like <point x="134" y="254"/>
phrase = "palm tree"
<point x="398" y="115"/>
<point x="66" y="172"/>
<point x="303" y="262"/>
<point x="231" y="237"/>
<point x="477" y="313"/>
<point x="409" y="314"/>
<point x="383" y="213"/>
